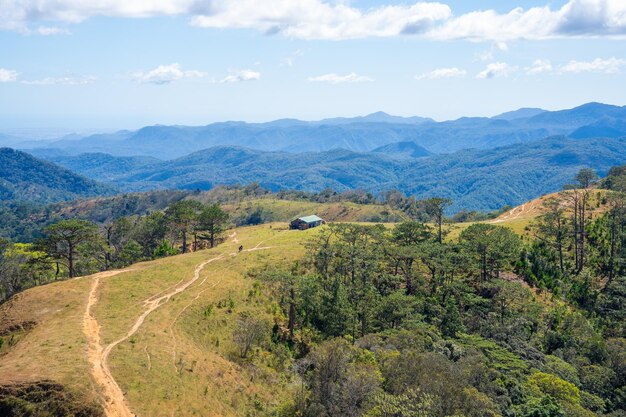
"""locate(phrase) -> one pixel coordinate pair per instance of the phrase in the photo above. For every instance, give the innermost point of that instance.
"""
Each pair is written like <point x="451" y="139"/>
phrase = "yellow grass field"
<point x="178" y="361"/>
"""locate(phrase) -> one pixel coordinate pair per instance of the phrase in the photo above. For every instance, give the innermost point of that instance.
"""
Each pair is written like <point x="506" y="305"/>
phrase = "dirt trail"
<point x="115" y="405"/>
<point x="511" y="214"/>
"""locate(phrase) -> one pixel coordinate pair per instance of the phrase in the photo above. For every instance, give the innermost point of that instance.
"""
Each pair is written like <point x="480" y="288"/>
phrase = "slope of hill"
<point x="402" y="150"/>
<point x="520" y="217"/>
<point x="25" y="223"/>
<point x="165" y="355"/>
<point x="578" y="116"/>
<point x="474" y="179"/>
<point x="608" y="127"/>
<point x="102" y="166"/>
<point x="359" y="134"/>
<point x="165" y="337"/>
<point x="522" y="113"/>
<point x="25" y="178"/>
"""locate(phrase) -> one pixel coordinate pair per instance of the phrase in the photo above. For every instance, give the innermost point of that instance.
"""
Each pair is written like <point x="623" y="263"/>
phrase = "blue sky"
<point x="68" y="64"/>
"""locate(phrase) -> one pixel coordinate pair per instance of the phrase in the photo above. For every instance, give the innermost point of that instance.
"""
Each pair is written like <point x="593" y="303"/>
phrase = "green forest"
<point x="403" y="323"/>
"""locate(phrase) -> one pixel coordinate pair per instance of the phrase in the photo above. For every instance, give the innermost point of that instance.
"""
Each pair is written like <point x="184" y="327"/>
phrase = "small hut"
<point x="307" y="222"/>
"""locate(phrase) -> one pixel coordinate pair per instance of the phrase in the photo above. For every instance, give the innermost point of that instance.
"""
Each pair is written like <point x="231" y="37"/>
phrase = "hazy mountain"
<point x="607" y="127"/>
<point x="378" y="117"/>
<point x="359" y="134"/>
<point x="26" y="178"/>
<point x="523" y="113"/>
<point x="577" y="117"/>
<point x="474" y="179"/>
<point x="403" y="150"/>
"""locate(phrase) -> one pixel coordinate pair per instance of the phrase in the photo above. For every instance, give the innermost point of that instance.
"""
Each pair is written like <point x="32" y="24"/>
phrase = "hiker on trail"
<point x="240" y="248"/>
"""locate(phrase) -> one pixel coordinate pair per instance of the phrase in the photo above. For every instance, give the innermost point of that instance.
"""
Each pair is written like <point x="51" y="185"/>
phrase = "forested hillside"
<point x="25" y="178"/>
<point x="473" y="179"/>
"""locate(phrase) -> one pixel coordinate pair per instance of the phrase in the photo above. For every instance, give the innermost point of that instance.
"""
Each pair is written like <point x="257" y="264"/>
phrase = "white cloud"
<point x="291" y="59"/>
<point x="49" y="31"/>
<point x="62" y="81"/>
<point x="338" y="79"/>
<point x="607" y="66"/>
<point x="539" y="66"/>
<point x="317" y="19"/>
<point x="577" y="18"/>
<point x="496" y="69"/>
<point x="326" y="19"/>
<point x="442" y="73"/>
<point x="242" y="75"/>
<point x="489" y="54"/>
<point x="165" y="74"/>
<point x="8" y="76"/>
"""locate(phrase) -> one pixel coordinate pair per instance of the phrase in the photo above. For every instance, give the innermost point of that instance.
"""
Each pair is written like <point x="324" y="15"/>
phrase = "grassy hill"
<point x="25" y="222"/>
<point x="518" y="218"/>
<point x="156" y="339"/>
<point x="285" y="210"/>
<point x="181" y="360"/>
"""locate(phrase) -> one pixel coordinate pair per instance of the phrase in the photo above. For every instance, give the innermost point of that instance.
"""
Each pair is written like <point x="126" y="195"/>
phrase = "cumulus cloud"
<point x="8" y="76"/>
<point x="333" y="78"/>
<point x="577" y="18"/>
<point x="608" y="66"/>
<point x="316" y="19"/>
<point x="442" y="73"/>
<point x="166" y="74"/>
<point x="325" y="19"/>
<point x="496" y="69"/>
<point x="242" y="75"/>
<point x="539" y="66"/>
<point x="61" y="81"/>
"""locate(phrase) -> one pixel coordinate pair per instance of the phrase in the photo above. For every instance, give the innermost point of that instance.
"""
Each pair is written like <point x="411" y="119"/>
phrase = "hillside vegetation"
<point x="347" y="319"/>
<point x="25" y="178"/>
<point x="246" y="205"/>
<point x="473" y="179"/>
<point x="387" y="320"/>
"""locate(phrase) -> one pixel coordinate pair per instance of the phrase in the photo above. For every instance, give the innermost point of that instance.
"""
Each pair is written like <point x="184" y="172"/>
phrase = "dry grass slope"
<point x="177" y="361"/>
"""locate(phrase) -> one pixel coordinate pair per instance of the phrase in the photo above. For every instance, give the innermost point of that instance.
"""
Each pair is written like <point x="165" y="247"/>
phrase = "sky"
<point x="111" y="64"/>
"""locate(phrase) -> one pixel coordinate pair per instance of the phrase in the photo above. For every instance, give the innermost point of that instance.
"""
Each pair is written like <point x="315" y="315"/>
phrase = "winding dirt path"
<point x="115" y="404"/>
<point x="114" y="401"/>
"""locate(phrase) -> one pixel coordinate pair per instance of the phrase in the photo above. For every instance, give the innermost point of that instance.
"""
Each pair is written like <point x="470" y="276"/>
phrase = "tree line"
<point x="73" y="247"/>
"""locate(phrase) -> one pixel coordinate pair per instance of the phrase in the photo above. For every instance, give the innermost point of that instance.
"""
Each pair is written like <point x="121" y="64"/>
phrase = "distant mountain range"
<point x="359" y="134"/>
<point x="25" y="178"/>
<point x="474" y="179"/>
<point x="481" y="163"/>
